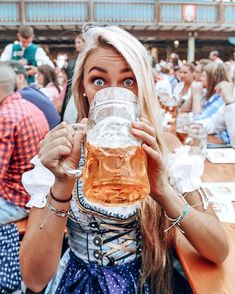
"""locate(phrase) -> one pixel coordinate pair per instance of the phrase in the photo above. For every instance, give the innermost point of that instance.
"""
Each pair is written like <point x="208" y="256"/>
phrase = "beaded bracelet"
<point x="176" y="221"/>
<point x="55" y="211"/>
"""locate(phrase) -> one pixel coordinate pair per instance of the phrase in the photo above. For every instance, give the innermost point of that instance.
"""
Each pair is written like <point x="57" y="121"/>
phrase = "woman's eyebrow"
<point x="98" y="68"/>
<point x="126" y="69"/>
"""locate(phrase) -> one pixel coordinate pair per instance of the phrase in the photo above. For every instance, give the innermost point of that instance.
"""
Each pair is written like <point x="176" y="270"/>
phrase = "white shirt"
<point x="163" y="86"/>
<point x="40" y="55"/>
<point x="176" y="93"/>
<point x="224" y="118"/>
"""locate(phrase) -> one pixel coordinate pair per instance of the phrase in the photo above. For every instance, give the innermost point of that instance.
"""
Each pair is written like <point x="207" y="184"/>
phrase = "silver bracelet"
<point x="55" y="211"/>
<point x="231" y="102"/>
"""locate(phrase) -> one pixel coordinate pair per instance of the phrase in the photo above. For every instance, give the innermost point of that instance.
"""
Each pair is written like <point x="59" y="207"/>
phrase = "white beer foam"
<point x="112" y="132"/>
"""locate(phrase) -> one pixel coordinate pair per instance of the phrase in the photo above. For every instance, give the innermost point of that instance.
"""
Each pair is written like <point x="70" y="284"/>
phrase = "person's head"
<point x="45" y="75"/>
<point x="186" y="73"/>
<point x="213" y="55"/>
<point x="111" y="57"/>
<point x="212" y="75"/>
<point x="79" y="42"/>
<point x="7" y="80"/>
<point x="25" y="35"/>
<point x="199" y="68"/>
<point x="174" y="59"/>
<point x="21" y="74"/>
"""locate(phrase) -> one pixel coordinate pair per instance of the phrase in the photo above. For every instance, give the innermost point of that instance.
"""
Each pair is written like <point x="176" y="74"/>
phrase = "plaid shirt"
<point x="22" y="126"/>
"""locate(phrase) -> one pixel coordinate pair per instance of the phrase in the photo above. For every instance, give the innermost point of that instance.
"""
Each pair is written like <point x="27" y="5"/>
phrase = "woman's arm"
<point x="41" y="247"/>
<point x="40" y="250"/>
<point x="201" y="227"/>
<point x="229" y="115"/>
<point x="197" y="92"/>
<point x="226" y="91"/>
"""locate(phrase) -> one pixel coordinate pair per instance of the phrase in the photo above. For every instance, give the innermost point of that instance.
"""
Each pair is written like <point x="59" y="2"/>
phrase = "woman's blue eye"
<point x="98" y="82"/>
<point x="128" y="82"/>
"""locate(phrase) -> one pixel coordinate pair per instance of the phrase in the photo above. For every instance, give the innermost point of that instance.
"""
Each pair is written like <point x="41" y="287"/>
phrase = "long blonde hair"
<point x="156" y="243"/>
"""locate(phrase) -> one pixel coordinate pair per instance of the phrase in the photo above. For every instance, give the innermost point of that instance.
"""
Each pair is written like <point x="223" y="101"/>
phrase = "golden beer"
<point x="113" y="176"/>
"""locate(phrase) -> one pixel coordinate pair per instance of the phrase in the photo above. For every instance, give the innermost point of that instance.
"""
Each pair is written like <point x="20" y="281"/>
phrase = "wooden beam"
<point x="22" y="11"/>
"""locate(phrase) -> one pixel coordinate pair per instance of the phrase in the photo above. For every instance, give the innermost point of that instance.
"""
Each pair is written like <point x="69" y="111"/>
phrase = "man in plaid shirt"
<point x="22" y="127"/>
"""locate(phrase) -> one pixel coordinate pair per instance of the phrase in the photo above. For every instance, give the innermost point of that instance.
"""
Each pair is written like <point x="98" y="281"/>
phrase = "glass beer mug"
<point x="197" y="139"/>
<point x="115" y="168"/>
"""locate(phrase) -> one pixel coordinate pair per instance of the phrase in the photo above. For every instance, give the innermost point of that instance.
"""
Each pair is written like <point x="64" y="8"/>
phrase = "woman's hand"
<point x="157" y="171"/>
<point x="63" y="142"/>
<point x="226" y="91"/>
<point x="197" y="89"/>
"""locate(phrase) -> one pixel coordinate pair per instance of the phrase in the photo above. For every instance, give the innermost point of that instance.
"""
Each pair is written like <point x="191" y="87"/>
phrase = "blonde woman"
<point x="101" y="261"/>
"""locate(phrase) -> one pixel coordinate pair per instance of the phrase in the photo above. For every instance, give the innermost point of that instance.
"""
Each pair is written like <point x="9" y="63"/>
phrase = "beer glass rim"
<point x="132" y="98"/>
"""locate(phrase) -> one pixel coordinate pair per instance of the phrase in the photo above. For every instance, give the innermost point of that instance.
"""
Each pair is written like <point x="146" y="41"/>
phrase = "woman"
<point x="48" y="84"/>
<point x="222" y="123"/>
<point x="182" y="91"/>
<point x="113" y="58"/>
<point x="206" y="105"/>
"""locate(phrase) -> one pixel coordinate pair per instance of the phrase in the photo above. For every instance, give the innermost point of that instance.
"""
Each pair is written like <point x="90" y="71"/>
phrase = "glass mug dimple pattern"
<point x="197" y="139"/>
<point x="115" y="168"/>
<point x="183" y="122"/>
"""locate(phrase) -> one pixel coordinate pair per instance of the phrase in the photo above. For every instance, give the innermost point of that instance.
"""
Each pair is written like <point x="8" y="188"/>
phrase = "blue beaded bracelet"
<point x="176" y="221"/>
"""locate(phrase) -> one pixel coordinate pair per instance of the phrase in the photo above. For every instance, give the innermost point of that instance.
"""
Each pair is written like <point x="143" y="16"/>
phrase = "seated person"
<point x="35" y="96"/>
<point x="222" y="123"/>
<point x="49" y="85"/>
<point x="22" y="127"/>
<point x="206" y="105"/>
<point x="182" y="91"/>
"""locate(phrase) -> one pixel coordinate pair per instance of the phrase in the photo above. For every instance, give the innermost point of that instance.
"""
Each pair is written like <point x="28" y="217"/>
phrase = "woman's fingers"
<point x="60" y="141"/>
<point x="144" y="131"/>
<point x="62" y="130"/>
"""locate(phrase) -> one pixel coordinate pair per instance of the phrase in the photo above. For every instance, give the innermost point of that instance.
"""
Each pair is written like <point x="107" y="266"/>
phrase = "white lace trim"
<point x="37" y="183"/>
<point x="185" y="170"/>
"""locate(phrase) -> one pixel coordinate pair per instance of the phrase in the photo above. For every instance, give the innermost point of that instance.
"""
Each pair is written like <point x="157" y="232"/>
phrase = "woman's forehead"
<point x="104" y="55"/>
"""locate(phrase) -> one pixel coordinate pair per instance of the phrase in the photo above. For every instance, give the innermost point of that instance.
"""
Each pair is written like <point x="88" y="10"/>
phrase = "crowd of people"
<point x="205" y="88"/>
<point x="124" y="249"/>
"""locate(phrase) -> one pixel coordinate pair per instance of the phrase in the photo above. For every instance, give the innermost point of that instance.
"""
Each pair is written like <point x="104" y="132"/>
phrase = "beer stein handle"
<point x="76" y="173"/>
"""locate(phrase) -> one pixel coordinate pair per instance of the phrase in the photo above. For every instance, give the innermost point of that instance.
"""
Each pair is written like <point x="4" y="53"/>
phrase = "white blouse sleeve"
<point x="37" y="183"/>
<point x="185" y="170"/>
<point x="230" y="122"/>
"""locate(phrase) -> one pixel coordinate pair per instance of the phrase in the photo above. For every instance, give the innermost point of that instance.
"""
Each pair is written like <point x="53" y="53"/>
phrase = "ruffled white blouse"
<point x="184" y="171"/>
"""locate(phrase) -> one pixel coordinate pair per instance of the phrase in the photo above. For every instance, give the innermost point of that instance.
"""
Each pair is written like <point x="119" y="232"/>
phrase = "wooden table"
<point x="204" y="276"/>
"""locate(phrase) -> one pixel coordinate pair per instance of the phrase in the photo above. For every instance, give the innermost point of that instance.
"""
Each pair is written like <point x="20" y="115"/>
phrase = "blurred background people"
<point x="22" y="127"/>
<point x="78" y="44"/>
<point x="26" y="52"/>
<point x="222" y="123"/>
<point x="48" y="84"/>
<point x="214" y="57"/>
<point x="182" y="91"/>
<point x="206" y="99"/>
<point x="34" y="95"/>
